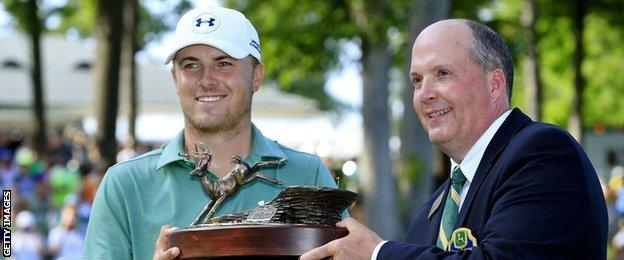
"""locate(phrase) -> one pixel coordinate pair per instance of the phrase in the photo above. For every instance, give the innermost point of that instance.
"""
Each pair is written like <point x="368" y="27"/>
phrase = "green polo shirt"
<point x="138" y="196"/>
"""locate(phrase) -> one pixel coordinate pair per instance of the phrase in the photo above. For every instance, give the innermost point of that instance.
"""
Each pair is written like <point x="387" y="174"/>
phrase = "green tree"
<point x="605" y="85"/>
<point x="129" y="47"/>
<point x="106" y="75"/>
<point x="138" y="26"/>
<point x="532" y="81"/>
<point x="373" y="19"/>
<point x="26" y="13"/>
<point x="301" y="41"/>
<point x="575" y="125"/>
<point x="576" y="66"/>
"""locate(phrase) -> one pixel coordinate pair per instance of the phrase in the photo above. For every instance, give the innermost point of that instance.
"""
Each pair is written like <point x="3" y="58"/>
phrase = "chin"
<point x="438" y="137"/>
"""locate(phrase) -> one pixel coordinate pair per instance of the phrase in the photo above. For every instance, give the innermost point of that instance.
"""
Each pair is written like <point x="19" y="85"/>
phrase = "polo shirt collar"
<point x="172" y="151"/>
<point x="262" y="148"/>
<point x="265" y="147"/>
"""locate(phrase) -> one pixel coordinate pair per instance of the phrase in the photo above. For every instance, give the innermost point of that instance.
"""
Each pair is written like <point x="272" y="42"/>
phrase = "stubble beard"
<point x="228" y="124"/>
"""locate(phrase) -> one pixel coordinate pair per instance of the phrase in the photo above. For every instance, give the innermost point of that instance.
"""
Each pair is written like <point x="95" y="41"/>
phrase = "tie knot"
<point x="457" y="177"/>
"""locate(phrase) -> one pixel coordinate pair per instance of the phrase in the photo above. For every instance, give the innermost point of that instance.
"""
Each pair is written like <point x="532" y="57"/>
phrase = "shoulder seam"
<point x="140" y="157"/>
<point x="283" y="147"/>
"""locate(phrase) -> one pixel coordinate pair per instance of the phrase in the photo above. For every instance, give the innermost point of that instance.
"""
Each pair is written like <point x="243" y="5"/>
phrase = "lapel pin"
<point x="462" y="239"/>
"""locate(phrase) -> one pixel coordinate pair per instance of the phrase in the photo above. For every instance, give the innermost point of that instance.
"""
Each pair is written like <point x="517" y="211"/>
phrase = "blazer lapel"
<point x="438" y="201"/>
<point x="434" y="215"/>
<point x="514" y="123"/>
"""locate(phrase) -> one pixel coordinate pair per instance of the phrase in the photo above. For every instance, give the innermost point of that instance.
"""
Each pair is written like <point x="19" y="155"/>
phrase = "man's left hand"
<point x="358" y="244"/>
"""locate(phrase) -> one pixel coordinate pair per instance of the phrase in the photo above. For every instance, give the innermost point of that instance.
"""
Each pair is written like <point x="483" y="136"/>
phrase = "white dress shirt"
<point x="468" y="165"/>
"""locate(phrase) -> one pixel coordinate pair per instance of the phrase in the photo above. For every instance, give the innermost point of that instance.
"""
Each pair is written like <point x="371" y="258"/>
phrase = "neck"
<point x="458" y="150"/>
<point x="225" y="144"/>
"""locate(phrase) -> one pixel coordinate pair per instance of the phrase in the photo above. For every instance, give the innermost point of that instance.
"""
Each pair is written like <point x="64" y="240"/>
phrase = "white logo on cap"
<point x="205" y="23"/>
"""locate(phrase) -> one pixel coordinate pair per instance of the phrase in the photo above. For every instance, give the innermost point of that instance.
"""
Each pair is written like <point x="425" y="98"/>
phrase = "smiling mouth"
<point x="439" y="113"/>
<point x="208" y="99"/>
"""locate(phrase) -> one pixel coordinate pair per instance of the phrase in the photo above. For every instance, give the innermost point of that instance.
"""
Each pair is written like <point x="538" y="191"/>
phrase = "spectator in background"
<point x="28" y="243"/>
<point x="8" y="169"/>
<point x="617" y="178"/>
<point x="613" y="192"/>
<point x="64" y="180"/>
<point x="66" y="239"/>
<point x="616" y="170"/>
<point x="30" y="172"/>
<point x="127" y="151"/>
<point x="57" y="150"/>
<point x="41" y="206"/>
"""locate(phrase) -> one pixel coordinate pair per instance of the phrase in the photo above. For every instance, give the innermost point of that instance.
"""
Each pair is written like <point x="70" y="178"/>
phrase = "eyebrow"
<point x="190" y="58"/>
<point x="434" y="68"/>
<point x="223" y="57"/>
<point x="441" y="66"/>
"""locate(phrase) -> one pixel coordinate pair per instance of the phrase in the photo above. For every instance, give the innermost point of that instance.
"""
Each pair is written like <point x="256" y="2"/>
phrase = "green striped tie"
<point x="451" y="208"/>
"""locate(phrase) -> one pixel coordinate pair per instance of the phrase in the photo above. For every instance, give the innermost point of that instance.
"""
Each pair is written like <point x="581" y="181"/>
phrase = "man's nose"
<point x="426" y="92"/>
<point x="208" y="78"/>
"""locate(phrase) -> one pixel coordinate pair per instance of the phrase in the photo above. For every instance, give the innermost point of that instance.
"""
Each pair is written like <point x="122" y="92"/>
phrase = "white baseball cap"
<point x="225" y="29"/>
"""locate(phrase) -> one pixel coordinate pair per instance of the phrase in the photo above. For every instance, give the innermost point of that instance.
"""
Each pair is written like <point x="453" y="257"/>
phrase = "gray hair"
<point x="491" y="52"/>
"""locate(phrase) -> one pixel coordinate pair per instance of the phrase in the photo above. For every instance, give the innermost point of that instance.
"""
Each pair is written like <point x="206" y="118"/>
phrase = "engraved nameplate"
<point x="262" y="214"/>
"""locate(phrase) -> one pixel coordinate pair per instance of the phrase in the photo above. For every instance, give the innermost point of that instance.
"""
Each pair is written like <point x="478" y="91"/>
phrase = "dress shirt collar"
<point x="472" y="159"/>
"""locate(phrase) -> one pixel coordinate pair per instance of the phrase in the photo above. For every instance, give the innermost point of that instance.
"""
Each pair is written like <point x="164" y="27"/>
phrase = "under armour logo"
<point x="205" y="23"/>
<point x="200" y="21"/>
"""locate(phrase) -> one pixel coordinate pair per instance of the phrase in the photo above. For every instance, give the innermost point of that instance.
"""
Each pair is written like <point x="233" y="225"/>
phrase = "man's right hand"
<point x="160" y="251"/>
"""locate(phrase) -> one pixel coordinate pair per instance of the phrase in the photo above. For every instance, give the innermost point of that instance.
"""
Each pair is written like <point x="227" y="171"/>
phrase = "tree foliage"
<point x="604" y="54"/>
<point x="300" y="41"/>
<point x="79" y="16"/>
<point x="29" y="19"/>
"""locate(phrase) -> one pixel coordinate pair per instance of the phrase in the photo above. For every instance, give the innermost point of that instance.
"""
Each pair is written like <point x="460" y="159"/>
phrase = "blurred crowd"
<point x="614" y="195"/>
<point x="52" y="189"/>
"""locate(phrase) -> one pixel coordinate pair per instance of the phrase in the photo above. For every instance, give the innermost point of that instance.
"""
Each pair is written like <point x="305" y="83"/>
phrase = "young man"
<point x="518" y="189"/>
<point x="216" y="69"/>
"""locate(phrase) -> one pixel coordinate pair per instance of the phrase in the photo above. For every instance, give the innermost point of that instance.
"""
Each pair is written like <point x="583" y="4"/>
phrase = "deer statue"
<point x="220" y="189"/>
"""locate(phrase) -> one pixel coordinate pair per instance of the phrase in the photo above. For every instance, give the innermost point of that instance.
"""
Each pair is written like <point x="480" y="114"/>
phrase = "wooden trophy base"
<point x="281" y="241"/>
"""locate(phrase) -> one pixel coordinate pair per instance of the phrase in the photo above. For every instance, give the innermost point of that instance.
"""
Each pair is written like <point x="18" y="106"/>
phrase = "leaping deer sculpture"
<point x="220" y="189"/>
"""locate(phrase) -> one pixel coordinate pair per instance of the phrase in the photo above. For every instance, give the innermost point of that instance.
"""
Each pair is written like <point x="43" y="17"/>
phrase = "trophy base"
<point x="281" y="241"/>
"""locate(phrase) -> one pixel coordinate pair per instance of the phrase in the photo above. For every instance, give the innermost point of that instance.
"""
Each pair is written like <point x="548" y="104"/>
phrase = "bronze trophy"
<point x="298" y="219"/>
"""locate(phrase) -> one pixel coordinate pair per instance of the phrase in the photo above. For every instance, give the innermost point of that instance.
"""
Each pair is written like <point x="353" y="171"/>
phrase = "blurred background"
<point x="83" y="85"/>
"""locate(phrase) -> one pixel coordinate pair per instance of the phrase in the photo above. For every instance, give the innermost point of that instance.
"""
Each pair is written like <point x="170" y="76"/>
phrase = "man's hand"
<point x="160" y="251"/>
<point x="359" y="244"/>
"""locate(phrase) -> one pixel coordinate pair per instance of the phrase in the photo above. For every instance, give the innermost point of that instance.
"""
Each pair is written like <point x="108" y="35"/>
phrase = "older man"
<point x="518" y="189"/>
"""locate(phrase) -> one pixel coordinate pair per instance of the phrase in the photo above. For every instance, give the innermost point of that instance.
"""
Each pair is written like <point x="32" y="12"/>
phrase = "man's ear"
<point x="258" y="74"/>
<point x="498" y="85"/>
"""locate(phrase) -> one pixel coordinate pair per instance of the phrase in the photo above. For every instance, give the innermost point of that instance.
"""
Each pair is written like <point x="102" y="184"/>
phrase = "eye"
<point x="223" y="64"/>
<point x="417" y="81"/>
<point x="190" y="66"/>
<point x="443" y="73"/>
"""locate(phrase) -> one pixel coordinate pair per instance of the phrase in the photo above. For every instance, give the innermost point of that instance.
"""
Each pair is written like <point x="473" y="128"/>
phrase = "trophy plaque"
<point x="300" y="218"/>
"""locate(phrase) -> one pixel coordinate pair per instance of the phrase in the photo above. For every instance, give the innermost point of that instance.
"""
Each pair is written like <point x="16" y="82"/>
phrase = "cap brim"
<point x="232" y="50"/>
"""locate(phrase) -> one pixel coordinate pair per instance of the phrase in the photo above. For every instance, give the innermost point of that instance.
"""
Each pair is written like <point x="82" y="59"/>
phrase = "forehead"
<point x="442" y="43"/>
<point x="199" y="50"/>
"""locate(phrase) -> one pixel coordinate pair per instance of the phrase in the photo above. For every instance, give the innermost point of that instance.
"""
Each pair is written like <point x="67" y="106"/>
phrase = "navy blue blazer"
<point x="535" y="195"/>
